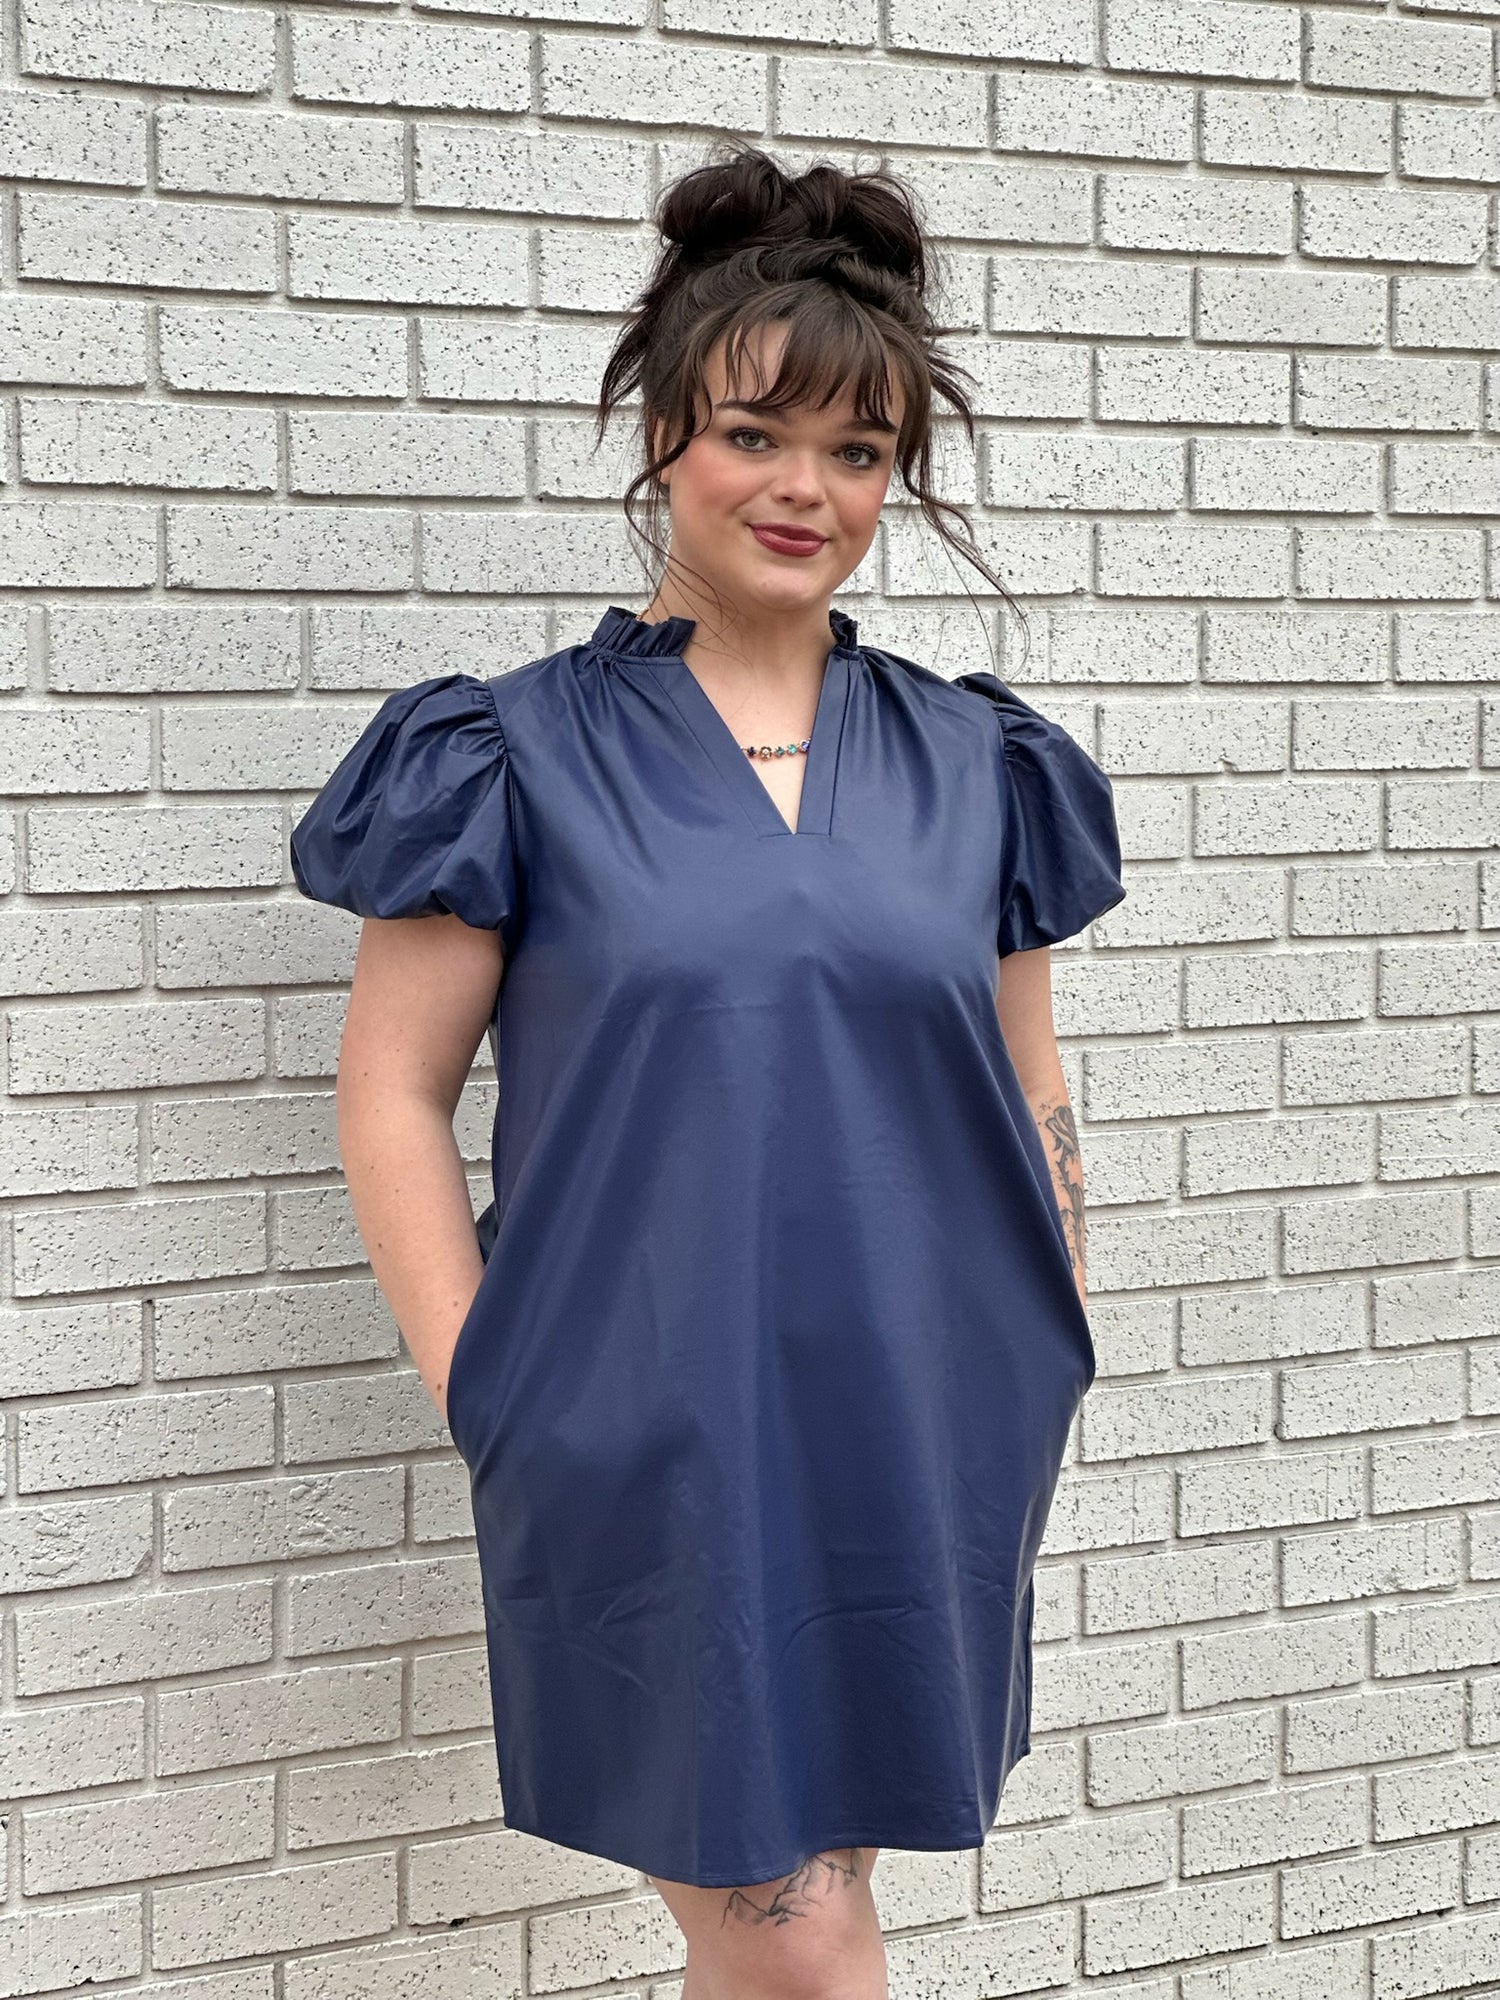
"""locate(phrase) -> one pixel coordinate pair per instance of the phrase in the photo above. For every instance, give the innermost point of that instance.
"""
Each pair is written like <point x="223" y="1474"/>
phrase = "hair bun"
<point x="717" y="209"/>
<point x="845" y="227"/>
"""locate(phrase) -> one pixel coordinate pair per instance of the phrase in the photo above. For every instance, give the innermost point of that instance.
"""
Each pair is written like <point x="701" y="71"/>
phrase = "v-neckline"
<point x="815" y="806"/>
<point x="717" y="740"/>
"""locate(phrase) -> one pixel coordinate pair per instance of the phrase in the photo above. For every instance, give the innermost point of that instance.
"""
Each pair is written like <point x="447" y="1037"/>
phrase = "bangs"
<point x="833" y="347"/>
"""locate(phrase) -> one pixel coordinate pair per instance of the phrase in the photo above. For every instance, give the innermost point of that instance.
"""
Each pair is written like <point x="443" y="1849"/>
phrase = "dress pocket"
<point x="456" y="1368"/>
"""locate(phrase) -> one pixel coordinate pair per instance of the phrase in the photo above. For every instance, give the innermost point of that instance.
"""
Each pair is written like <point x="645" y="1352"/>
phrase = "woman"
<point x="764" y="1383"/>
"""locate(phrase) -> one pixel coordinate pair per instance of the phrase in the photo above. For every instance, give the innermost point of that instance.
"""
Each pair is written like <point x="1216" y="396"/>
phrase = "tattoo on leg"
<point x="1063" y="1132"/>
<point x="813" y="1882"/>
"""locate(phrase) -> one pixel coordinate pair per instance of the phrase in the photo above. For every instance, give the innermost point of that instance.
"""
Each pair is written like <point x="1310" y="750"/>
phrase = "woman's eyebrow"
<point x="764" y="409"/>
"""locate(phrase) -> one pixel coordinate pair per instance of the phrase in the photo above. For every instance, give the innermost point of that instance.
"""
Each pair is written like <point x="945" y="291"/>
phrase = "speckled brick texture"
<point x="302" y="314"/>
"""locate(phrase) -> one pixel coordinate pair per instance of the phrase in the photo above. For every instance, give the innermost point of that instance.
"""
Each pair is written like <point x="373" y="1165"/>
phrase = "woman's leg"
<point x="810" y="1935"/>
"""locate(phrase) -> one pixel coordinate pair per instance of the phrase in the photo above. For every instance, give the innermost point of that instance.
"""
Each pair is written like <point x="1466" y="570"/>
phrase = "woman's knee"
<point x="809" y="1935"/>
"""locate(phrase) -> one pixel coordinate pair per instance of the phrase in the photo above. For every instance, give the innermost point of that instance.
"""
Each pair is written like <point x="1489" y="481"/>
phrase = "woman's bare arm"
<point x="424" y="989"/>
<point x="1024" y="1003"/>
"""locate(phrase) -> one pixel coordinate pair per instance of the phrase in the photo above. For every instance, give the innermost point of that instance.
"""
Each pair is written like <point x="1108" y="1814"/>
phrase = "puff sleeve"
<point x="416" y="818"/>
<point x="1061" y="863"/>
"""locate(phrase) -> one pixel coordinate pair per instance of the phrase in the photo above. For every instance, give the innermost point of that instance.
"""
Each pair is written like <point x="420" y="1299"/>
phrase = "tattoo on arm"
<point x="1061" y="1136"/>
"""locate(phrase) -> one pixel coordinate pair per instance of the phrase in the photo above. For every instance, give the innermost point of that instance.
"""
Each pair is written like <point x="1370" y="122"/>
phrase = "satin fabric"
<point x="765" y="1391"/>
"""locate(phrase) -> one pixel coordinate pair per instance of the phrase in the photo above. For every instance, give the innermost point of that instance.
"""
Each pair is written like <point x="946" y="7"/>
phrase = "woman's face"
<point x="821" y="473"/>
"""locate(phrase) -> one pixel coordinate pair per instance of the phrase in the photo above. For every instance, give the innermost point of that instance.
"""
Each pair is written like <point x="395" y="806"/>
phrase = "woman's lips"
<point x="784" y="543"/>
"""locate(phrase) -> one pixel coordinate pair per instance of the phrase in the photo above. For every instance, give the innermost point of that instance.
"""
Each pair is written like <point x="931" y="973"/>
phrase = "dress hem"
<point x="752" y="1877"/>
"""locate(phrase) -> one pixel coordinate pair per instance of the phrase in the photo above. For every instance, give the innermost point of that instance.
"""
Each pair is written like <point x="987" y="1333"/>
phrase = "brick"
<point x="77" y="544"/>
<point x="1439" y="58"/>
<point x="1070" y="1863"/>
<point x="109" y="240"/>
<point x="1126" y="1933"/>
<point x="1386" y="1725"/>
<point x="69" y="951"/>
<point x="1211" y="388"/>
<point x="1177" y="36"/>
<point x="488" y="1961"/>
<point x="64" y="1545"/>
<point x="253" y="547"/>
<point x="1074" y="1688"/>
<point x="273" y="1717"/>
<point x="1367" y="1395"/>
<point x="1297" y="1657"/>
<point x="51" y="135"/>
<point x="178" y="648"/>
<point x="212" y="149"/>
<point x="382" y="1604"/>
<point x="1438" y="1638"/>
<point x="71" y="1945"/>
<point x="601" y="1941"/>
<point x="277" y="1910"/>
<point x="73" y="341"/>
<point x="153" y="847"/>
<point x="1223" y="1159"/>
<point x="114" y="443"/>
<point x="226" y="349"/>
<point x="1102" y="115"/>
<point x="428" y="1790"/>
<point x="281" y="1519"/>
<point x="108" y="1443"/>
<point x="1369" y="1889"/>
<point x="60" y="1745"/>
<point x="139" y="41"/>
<point x="1237" y="1327"/>
<point x="1078" y="296"/>
<point x="1373" y="224"/>
<point x="1430" y="1958"/>
<point x="136" y="1044"/>
<point x="1155" y="212"/>
<point x="1134" y="1420"/>
<point x="1285" y="1491"/>
<point x="1140" y="1593"/>
<point x="1435" y="1472"/>
<point x="1327" y="1972"/>
<point x="1296" y="134"/>
<point x="272" y="1329"/>
<point x="1386" y="392"/>
<point x="1186" y="1755"/>
<point x="1444" y="1796"/>
<point x="112" y="1244"/>
<point x="146" y="1636"/>
<point x="1280" y="1823"/>
<point x="52" y="1350"/>
<point x="502" y="1872"/>
<point x="150" y="1835"/>
<point x="62" y="749"/>
<point x="441" y="64"/>
<point x="406" y="454"/>
<point x="1371" y="1562"/>
<point x="68" y="1149"/>
<point x="531" y="173"/>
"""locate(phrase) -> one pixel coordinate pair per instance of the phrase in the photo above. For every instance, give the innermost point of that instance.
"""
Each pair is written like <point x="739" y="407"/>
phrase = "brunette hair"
<point x="843" y="259"/>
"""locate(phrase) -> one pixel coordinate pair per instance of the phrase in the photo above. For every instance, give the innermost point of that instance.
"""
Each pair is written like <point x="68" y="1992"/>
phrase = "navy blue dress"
<point x="765" y="1390"/>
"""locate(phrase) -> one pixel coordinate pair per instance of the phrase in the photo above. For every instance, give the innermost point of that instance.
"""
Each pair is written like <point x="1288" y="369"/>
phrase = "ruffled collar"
<point x="620" y="631"/>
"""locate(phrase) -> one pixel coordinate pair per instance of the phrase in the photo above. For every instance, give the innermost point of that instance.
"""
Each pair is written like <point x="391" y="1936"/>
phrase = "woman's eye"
<point x="871" y="454"/>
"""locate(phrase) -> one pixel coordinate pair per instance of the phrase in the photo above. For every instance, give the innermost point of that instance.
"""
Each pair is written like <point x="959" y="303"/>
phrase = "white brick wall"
<point x="302" y="313"/>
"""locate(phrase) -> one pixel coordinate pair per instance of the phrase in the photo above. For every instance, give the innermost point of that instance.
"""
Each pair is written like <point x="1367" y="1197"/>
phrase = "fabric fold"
<point x="416" y="819"/>
<point x="1061" y="862"/>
